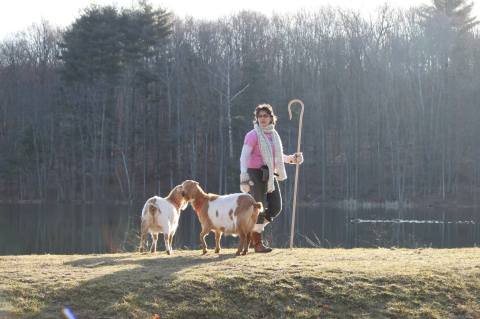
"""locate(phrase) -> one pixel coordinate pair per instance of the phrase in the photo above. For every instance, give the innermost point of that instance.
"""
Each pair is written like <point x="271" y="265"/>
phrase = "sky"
<point x="18" y="15"/>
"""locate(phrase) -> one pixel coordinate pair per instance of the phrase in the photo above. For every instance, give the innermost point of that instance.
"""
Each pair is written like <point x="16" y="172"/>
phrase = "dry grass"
<point x="303" y="283"/>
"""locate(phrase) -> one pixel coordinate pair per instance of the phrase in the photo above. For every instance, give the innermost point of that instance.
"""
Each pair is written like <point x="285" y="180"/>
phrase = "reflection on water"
<point x="411" y="221"/>
<point x="60" y="228"/>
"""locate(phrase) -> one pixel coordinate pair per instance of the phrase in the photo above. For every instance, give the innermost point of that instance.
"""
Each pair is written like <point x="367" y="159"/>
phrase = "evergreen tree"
<point x="456" y="14"/>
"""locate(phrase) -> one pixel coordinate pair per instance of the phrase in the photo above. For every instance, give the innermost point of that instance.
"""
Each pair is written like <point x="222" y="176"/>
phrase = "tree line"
<point x="125" y="103"/>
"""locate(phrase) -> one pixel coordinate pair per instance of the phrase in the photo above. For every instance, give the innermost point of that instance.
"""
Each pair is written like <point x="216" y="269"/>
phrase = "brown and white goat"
<point x="161" y="215"/>
<point x="233" y="214"/>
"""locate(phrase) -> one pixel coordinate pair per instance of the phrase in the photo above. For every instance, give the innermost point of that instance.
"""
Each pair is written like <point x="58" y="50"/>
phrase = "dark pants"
<point x="272" y="202"/>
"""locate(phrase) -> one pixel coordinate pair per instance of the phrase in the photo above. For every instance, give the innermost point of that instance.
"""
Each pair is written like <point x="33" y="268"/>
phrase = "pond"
<point x="94" y="228"/>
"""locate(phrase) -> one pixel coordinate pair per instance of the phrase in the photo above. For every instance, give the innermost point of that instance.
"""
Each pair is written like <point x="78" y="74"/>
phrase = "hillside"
<point x="299" y="283"/>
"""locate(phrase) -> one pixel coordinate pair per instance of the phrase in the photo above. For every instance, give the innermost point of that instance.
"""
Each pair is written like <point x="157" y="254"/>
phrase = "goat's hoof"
<point x="169" y="252"/>
<point x="244" y="253"/>
<point x="237" y="253"/>
<point x="204" y="252"/>
<point x="217" y="251"/>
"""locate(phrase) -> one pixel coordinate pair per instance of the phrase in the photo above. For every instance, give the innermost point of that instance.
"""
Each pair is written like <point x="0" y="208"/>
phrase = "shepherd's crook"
<point x="292" y="230"/>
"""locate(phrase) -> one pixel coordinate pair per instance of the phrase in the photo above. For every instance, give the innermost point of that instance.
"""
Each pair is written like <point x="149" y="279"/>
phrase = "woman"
<point x="261" y="167"/>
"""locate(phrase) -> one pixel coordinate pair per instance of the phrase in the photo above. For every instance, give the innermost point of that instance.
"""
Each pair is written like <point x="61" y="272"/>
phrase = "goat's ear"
<point x="196" y="183"/>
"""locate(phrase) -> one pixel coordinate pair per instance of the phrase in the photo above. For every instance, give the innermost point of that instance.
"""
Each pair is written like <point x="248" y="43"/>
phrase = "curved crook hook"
<point x="300" y="121"/>
<point x="290" y="108"/>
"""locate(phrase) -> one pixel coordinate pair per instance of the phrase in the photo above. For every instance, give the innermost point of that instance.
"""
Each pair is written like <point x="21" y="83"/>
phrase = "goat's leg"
<point x="247" y="243"/>
<point x="203" y="234"/>
<point x="218" y="238"/>
<point x="143" y="236"/>
<point x="170" y="241"/>
<point x="240" y="246"/>
<point x="153" y="249"/>
<point x="166" y="238"/>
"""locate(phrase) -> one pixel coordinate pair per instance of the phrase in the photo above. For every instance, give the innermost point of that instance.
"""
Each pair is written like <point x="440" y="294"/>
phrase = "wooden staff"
<point x="297" y="166"/>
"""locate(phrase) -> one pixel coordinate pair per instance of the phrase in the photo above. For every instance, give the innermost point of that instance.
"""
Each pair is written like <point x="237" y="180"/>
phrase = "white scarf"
<point x="267" y="156"/>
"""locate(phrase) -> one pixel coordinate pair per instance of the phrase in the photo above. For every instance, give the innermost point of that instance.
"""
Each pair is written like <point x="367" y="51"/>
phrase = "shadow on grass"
<point x="8" y="315"/>
<point x="146" y="287"/>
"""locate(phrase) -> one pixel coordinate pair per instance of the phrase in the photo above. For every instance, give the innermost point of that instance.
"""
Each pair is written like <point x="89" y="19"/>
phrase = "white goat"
<point x="161" y="215"/>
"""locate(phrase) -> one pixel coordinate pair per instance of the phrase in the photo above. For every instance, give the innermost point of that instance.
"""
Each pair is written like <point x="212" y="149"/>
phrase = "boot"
<point x="258" y="244"/>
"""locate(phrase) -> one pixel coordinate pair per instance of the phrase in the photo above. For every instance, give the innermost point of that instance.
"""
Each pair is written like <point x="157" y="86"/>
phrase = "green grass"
<point x="299" y="283"/>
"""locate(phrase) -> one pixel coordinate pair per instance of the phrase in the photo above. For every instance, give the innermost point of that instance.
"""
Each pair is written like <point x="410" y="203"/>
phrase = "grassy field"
<point x="299" y="283"/>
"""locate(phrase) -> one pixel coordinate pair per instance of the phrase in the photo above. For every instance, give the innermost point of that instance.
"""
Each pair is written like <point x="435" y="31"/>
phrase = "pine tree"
<point x="456" y="13"/>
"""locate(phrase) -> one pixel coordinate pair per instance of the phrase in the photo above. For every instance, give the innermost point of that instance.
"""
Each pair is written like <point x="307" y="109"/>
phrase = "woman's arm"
<point x="245" y="157"/>
<point x="244" y="177"/>
<point x="287" y="158"/>
<point x="249" y="143"/>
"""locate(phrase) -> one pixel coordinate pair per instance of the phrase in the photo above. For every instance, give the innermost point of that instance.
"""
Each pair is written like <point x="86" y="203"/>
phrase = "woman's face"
<point x="264" y="119"/>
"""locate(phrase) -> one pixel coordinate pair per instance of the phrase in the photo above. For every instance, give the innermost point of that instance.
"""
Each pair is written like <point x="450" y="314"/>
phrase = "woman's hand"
<point x="244" y="182"/>
<point x="296" y="158"/>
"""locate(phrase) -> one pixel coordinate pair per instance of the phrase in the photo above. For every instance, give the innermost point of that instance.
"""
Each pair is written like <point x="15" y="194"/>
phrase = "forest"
<point x="128" y="102"/>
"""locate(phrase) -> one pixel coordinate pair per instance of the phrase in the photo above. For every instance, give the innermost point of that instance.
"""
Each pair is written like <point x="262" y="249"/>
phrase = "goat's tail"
<point x="151" y="206"/>
<point x="258" y="206"/>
